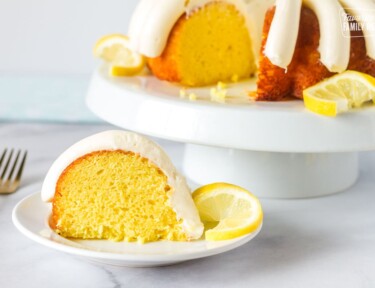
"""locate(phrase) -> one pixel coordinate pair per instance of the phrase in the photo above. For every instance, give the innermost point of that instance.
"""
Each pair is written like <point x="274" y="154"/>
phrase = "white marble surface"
<point x="322" y="242"/>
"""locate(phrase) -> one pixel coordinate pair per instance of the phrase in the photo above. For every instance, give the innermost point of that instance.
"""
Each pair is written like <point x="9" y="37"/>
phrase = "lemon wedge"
<point x="340" y="93"/>
<point x="228" y="211"/>
<point x="115" y="49"/>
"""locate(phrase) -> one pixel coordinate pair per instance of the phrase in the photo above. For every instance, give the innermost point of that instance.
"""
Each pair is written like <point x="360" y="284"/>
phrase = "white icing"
<point x="153" y="21"/>
<point x="180" y="200"/>
<point x="256" y="12"/>
<point x="151" y="24"/>
<point x="283" y="33"/>
<point x="362" y="10"/>
<point x="334" y="47"/>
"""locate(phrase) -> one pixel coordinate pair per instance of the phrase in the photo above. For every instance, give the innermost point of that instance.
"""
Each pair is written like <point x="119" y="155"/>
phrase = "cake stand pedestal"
<point x="271" y="174"/>
<point x="276" y="150"/>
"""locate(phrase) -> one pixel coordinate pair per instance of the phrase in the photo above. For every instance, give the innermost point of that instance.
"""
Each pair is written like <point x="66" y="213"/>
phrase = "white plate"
<point x="31" y="215"/>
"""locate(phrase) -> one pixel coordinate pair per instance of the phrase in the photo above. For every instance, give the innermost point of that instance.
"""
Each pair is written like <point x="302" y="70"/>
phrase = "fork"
<point x="8" y="184"/>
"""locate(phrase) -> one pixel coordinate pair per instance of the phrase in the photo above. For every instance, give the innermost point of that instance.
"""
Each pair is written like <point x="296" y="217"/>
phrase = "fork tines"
<point x="9" y="165"/>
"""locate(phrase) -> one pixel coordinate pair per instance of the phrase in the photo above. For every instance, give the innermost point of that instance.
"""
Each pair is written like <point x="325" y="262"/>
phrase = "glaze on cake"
<point x="121" y="186"/>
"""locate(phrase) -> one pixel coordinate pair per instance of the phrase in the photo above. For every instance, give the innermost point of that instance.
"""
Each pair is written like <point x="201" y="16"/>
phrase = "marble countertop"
<point x="321" y="242"/>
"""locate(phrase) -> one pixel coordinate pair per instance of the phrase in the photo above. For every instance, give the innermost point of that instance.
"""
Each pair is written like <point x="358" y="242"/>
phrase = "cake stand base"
<point x="271" y="174"/>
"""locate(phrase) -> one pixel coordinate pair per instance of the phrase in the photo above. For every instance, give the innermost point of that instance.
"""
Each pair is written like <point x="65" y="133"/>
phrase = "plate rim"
<point x="92" y="254"/>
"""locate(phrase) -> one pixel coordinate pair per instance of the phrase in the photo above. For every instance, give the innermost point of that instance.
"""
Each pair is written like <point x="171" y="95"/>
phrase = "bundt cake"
<point x="304" y="42"/>
<point x="198" y="43"/>
<point x="120" y="186"/>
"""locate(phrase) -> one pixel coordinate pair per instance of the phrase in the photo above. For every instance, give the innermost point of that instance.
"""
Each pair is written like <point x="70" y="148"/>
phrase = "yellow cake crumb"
<point x="221" y="85"/>
<point x="183" y="93"/>
<point x="193" y="97"/>
<point x="218" y="95"/>
<point x="115" y="195"/>
<point x="212" y="44"/>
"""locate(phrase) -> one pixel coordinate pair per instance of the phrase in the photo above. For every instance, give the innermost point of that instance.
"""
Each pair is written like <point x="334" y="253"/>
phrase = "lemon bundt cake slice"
<point x="197" y="43"/>
<point x="121" y="186"/>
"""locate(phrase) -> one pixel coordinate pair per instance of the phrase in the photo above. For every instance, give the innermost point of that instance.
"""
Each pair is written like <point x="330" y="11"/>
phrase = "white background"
<point x="56" y="37"/>
<point x="46" y="55"/>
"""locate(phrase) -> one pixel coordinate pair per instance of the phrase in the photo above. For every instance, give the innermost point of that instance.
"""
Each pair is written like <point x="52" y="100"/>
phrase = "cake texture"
<point x="199" y="42"/>
<point x="290" y="44"/>
<point x="210" y="45"/>
<point x="120" y="186"/>
<point x="276" y="83"/>
<point x="316" y="47"/>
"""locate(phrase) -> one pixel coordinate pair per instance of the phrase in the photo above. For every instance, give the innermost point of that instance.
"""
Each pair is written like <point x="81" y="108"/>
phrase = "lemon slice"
<point x="227" y="210"/>
<point x="115" y="49"/>
<point x="340" y="93"/>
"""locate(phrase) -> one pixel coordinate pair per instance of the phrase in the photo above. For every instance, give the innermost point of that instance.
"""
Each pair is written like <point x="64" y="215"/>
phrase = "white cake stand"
<point x="276" y="150"/>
